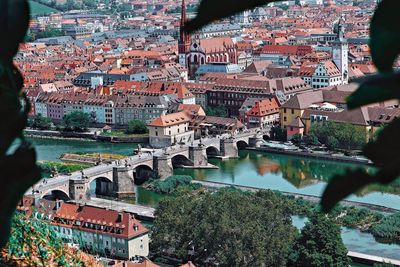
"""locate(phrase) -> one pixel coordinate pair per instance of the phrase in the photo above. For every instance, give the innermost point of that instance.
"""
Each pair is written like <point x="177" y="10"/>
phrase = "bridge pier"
<point x="123" y="182"/>
<point x="228" y="148"/>
<point x="79" y="189"/>
<point x="162" y="166"/>
<point x="198" y="155"/>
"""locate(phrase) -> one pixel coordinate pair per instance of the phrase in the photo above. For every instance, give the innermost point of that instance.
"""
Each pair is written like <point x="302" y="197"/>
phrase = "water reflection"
<point x="291" y="174"/>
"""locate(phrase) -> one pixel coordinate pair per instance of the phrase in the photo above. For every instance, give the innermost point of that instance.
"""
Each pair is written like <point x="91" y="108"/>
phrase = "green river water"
<point x="262" y="170"/>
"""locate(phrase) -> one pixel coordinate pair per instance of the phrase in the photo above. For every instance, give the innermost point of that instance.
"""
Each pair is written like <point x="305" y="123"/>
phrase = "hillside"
<point x="40" y="9"/>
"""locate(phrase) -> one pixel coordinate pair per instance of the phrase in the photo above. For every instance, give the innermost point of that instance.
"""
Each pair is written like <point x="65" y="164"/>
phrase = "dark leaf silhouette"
<point x="210" y="10"/>
<point x="385" y="149"/>
<point x="385" y="35"/>
<point x="341" y="186"/>
<point x="14" y="21"/>
<point x="380" y="87"/>
<point x="18" y="169"/>
<point x="383" y="152"/>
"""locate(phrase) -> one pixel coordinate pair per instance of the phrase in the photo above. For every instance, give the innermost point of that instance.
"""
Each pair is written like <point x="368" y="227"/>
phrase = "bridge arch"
<point x="56" y="194"/>
<point x="101" y="186"/>
<point x="180" y="160"/>
<point x="142" y="173"/>
<point x="212" y="151"/>
<point x="266" y="137"/>
<point x="241" y="144"/>
<point x="104" y="176"/>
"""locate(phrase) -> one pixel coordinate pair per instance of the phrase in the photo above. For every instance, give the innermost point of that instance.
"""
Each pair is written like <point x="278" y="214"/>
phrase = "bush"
<point x="41" y="123"/>
<point x="63" y="168"/>
<point x="76" y="121"/>
<point x="339" y="135"/>
<point x="388" y="228"/>
<point x="297" y="138"/>
<point x="170" y="184"/>
<point x="137" y="127"/>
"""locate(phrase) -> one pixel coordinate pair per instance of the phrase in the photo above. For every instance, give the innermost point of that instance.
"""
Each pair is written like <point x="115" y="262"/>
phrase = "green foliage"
<point x="278" y="134"/>
<point x="388" y="228"/>
<point x="311" y="139"/>
<point x="76" y="121"/>
<point x="49" y="167"/>
<point x="34" y="243"/>
<point x="297" y="138"/>
<point x="168" y="185"/>
<point x="359" y="217"/>
<point x="137" y="127"/>
<point x="41" y="123"/>
<point x="339" y="135"/>
<point x="40" y="9"/>
<point x="319" y="244"/>
<point x="219" y="111"/>
<point x="228" y="227"/>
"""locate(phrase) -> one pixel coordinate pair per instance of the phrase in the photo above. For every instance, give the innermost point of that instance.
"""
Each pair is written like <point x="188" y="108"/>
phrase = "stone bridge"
<point x="118" y="178"/>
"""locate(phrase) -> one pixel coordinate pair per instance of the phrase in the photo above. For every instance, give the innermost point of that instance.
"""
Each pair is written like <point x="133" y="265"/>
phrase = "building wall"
<point x="139" y="246"/>
<point x="41" y="108"/>
<point x="290" y="114"/>
<point x="98" y="112"/>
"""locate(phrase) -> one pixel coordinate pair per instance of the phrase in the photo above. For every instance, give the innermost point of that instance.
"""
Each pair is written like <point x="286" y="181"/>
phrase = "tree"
<point x="311" y="139"/>
<point x="41" y="123"/>
<point x="319" y="244"/>
<point x="278" y="134"/>
<point x="339" y="135"/>
<point x="228" y="227"/>
<point x="137" y="127"/>
<point x="76" y="121"/>
<point x="218" y="111"/>
<point x="297" y="138"/>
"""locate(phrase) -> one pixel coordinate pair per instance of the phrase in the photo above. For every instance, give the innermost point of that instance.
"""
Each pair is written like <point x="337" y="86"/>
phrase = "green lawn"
<point x="122" y="133"/>
<point x="40" y="9"/>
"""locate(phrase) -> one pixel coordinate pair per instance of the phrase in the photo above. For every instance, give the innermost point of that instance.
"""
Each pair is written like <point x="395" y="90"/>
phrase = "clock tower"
<point x="340" y="51"/>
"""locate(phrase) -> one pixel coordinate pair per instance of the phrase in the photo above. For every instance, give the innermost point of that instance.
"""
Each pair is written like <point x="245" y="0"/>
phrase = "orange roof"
<point x="264" y="107"/>
<point x="170" y="119"/>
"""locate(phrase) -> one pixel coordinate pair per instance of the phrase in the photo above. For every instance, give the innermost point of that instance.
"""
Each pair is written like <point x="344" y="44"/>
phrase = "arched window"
<point x="202" y="60"/>
<point x="195" y="59"/>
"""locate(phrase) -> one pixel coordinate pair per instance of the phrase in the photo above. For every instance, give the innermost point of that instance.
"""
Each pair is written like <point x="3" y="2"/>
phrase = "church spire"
<point x="184" y="38"/>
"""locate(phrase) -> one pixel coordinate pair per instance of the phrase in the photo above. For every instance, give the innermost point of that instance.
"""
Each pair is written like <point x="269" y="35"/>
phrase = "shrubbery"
<point x="388" y="228"/>
<point x="339" y="135"/>
<point x="170" y="184"/>
<point x="63" y="168"/>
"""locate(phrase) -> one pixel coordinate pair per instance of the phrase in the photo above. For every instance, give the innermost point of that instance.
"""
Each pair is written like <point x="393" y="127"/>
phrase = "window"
<point x="284" y="110"/>
<point x="284" y="118"/>
<point x="292" y="111"/>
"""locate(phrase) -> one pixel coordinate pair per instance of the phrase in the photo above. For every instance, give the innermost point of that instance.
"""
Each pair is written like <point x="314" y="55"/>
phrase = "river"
<point x="262" y="170"/>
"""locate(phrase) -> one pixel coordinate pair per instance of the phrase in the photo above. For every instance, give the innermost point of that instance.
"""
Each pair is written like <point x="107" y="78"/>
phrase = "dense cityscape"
<point x="160" y="147"/>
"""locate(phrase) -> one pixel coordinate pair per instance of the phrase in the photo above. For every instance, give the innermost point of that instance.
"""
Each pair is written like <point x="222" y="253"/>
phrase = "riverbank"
<point x="313" y="154"/>
<point x="310" y="198"/>
<point x="88" y="136"/>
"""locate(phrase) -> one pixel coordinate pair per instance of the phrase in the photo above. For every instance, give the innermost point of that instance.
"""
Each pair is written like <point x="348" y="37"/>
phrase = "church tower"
<point x="340" y="51"/>
<point x="184" y="38"/>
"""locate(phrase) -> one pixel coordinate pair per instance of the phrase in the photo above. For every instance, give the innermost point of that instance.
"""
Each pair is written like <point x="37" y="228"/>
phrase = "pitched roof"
<point x="264" y="107"/>
<point x="170" y="119"/>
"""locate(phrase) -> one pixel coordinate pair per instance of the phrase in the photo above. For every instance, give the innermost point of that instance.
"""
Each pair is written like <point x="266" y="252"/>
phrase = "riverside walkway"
<point x="311" y="198"/>
<point x="370" y="259"/>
